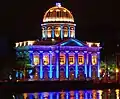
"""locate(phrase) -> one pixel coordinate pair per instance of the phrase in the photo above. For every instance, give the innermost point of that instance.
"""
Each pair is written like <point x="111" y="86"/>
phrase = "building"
<point x="58" y="55"/>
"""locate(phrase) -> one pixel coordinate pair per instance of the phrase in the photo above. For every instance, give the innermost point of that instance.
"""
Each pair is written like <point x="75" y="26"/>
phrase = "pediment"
<point x="72" y="42"/>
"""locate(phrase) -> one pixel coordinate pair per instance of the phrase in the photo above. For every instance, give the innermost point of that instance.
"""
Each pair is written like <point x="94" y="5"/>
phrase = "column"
<point x="53" y="32"/>
<point x="98" y="64"/>
<point x="50" y="59"/>
<point x="17" y="74"/>
<point x="43" y="32"/>
<point x="67" y="64"/>
<point x="86" y="95"/>
<point x="46" y="32"/>
<point x="76" y="64"/>
<point x="57" y="64"/>
<point x="31" y="57"/>
<point x="89" y="63"/>
<point x="74" y="31"/>
<point x="61" y="34"/>
<point x="85" y="62"/>
<point x="69" y="31"/>
<point x="41" y="64"/>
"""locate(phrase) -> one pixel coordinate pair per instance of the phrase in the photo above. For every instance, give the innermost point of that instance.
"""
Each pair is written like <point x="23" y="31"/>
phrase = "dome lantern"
<point x="58" y="23"/>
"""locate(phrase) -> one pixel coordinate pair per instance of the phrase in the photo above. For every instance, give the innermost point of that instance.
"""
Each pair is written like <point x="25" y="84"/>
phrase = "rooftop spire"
<point x="58" y="4"/>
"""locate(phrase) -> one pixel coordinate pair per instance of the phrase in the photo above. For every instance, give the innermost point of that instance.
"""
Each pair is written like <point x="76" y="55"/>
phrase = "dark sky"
<point x="96" y="20"/>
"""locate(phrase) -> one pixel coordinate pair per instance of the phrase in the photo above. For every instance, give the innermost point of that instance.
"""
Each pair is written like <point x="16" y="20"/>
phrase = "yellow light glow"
<point x="62" y="59"/>
<point x="117" y="93"/>
<point x="100" y="70"/>
<point x="100" y="94"/>
<point x="98" y="44"/>
<point x="57" y="10"/>
<point x="57" y="31"/>
<point x="91" y="43"/>
<point x="20" y="43"/>
<point x="117" y="70"/>
<point x="16" y="44"/>
<point x="94" y="59"/>
<point x="36" y="95"/>
<point x="80" y="59"/>
<point x="30" y="42"/>
<point x="65" y="30"/>
<point x="46" y="59"/>
<point x="81" y="94"/>
<point x="72" y="32"/>
<point x="71" y="59"/>
<point x="53" y="40"/>
<point x="36" y="59"/>
<point x="53" y="16"/>
<point x="25" y="95"/>
<point x="49" y="32"/>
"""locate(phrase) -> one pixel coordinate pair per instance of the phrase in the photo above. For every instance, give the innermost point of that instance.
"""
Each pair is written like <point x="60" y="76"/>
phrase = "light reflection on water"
<point x="86" y="94"/>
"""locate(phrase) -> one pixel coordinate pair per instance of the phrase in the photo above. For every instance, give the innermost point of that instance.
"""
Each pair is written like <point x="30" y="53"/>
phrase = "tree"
<point x="111" y="67"/>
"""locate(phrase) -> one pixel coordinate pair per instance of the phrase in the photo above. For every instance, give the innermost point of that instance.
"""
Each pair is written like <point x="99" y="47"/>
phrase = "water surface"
<point x="77" y="94"/>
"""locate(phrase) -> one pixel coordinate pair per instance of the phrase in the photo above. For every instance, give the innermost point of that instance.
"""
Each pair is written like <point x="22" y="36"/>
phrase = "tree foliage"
<point x="23" y="60"/>
<point x="110" y="67"/>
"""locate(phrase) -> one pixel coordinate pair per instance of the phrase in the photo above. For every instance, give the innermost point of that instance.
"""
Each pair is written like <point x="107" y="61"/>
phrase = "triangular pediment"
<point x="72" y="42"/>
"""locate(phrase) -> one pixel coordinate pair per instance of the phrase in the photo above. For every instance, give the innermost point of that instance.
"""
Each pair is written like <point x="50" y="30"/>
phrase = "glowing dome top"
<point x="58" y="14"/>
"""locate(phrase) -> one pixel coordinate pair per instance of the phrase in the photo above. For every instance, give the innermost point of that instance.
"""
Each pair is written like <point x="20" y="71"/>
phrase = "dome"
<point x="58" y="14"/>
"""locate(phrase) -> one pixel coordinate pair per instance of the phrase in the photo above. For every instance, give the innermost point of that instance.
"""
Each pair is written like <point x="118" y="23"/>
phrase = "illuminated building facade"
<point x="59" y="56"/>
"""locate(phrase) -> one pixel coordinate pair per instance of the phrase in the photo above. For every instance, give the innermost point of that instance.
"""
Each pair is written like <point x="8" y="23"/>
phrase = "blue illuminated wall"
<point x="53" y="71"/>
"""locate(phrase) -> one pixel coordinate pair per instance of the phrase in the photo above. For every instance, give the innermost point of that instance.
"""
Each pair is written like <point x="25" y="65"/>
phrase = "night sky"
<point x="96" y="20"/>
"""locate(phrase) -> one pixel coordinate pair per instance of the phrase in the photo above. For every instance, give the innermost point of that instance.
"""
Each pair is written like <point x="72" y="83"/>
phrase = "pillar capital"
<point x="76" y="51"/>
<point x="85" y="51"/>
<point x="57" y="51"/>
<point x="41" y="51"/>
<point x="98" y="52"/>
<point x="30" y="51"/>
<point x="67" y="51"/>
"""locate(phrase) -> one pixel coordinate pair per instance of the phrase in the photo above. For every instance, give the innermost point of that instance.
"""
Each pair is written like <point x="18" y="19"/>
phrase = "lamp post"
<point x="117" y="70"/>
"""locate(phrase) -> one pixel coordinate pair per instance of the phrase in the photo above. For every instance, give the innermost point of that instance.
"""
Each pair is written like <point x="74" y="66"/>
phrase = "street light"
<point x="117" y="70"/>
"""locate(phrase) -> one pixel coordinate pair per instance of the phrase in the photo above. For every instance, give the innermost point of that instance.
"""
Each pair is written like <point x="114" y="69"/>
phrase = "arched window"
<point x="43" y="33"/>
<point x="62" y="59"/>
<point x="71" y="69"/>
<point x="36" y="59"/>
<point x="94" y="59"/>
<point x="72" y="32"/>
<point x="65" y="31"/>
<point x="71" y="59"/>
<point x="49" y="32"/>
<point x="80" y="59"/>
<point x="57" y="31"/>
<point x="45" y="59"/>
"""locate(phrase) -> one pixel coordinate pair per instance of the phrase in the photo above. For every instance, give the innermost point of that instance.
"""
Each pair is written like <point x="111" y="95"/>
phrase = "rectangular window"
<point x="36" y="60"/>
<point x="94" y="60"/>
<point x="46" y="59"/>
<point x="80" y="59"/>
<point x="71" y="60"/>
<point x="62" y="59"/>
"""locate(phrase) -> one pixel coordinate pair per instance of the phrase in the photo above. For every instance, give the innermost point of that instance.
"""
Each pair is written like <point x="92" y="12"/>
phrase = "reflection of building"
<point x="59" y="55"/>
<point x="81" y="94"/>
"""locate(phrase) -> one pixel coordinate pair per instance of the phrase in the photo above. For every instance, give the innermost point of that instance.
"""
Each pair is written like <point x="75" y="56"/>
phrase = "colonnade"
<point x="61" y="30"/>
<point x="53" y="70"/>
<point x="66" y="95"/>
